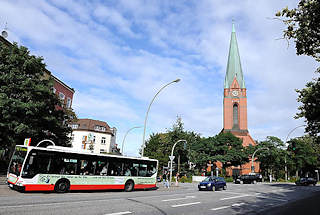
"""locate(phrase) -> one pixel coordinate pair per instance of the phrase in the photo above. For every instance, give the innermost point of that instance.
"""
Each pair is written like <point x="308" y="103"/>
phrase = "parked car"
<point x="248" y="179"/>
<point x="306" y="181"/>
<point x="212" y="183"/>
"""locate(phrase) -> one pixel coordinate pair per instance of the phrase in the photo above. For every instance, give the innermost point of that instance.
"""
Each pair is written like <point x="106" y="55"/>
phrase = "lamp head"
<point x="177" y="80"/>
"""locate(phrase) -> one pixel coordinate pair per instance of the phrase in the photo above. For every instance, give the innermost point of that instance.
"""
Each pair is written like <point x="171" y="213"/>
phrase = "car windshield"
<point x="208" y="179"/>
<point x="17" y="160"/>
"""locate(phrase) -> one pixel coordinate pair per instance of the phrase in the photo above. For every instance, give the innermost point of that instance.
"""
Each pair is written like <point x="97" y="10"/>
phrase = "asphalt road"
<point x="186" y="199"/>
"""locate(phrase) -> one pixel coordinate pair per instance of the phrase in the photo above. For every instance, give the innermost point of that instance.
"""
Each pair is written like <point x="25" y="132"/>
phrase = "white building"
<point x="93" y="135"/>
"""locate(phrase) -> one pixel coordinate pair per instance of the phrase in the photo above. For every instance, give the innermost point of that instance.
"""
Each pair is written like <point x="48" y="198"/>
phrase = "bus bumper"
<point x="16" y="187"/>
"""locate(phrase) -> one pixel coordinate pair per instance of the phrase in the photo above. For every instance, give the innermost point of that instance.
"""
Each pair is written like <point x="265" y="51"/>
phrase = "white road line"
<point x="234" y="197"/>
<point x="228" y="206"/>
<point x="238" y="204"/>
<point x="120" y="213"/>
<point x="265" y="197"/>
<point x="219" y="208"/>
<point x="187" y="197"/>
<point x="234" y="193"/>
<point x="192" y="203"/>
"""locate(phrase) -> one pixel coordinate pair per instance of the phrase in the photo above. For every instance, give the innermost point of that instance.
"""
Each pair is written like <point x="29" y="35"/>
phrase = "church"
<point x="235" y="105"/>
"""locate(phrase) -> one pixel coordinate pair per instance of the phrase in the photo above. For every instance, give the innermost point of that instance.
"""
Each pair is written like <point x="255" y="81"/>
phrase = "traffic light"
<point x="293" y="146"/>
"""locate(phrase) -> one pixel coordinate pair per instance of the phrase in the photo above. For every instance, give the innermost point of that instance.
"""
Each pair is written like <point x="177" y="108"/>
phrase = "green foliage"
<point x="303" y="26"/>
<point x="185" y="179"/>
<point x="310" y="108"/>
<point x="271" y="160"/>
<point x="27" y="103"/>
<point x="303" y="154"/>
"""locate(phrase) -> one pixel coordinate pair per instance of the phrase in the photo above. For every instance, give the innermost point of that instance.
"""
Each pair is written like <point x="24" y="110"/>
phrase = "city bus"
<point x="61" y="169"/>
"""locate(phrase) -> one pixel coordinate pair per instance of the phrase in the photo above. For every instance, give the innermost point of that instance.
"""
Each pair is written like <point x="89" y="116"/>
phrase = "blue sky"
<point x="118" y="54"/>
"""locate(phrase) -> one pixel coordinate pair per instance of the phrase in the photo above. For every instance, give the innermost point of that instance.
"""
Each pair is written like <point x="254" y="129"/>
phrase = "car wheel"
<point x="254" y="181"/>
<point x="224" y="187"/>
<point x="241" y="182"/>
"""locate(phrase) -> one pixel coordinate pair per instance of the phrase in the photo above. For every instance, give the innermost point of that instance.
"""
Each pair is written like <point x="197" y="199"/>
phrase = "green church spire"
<point x="234" y="64"/>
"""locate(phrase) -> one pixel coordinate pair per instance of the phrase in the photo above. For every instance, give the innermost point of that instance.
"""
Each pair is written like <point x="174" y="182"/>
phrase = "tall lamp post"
<point x="252" y="158"/>
<point x="285" y="156"/>
<point x="124" y="138"/>
<point x="172" y="157"/>
<point x="145" y="119"/>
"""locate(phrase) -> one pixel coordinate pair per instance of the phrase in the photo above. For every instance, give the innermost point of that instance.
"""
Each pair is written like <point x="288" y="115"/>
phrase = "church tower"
<point x="235" y="100"/>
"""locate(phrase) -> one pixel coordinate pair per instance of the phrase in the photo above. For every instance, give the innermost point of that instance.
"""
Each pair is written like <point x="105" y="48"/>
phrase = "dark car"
<point x="248" y="179"/>
<point x="212" y="183"/>
<point x="306" y="181"/>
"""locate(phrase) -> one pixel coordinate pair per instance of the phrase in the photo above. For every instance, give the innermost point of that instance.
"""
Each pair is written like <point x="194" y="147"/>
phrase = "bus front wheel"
<point x="128" y="187"/>
<point x="62" y="186"/>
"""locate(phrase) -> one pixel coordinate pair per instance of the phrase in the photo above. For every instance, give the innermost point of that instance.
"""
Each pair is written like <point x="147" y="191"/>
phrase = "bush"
<point x="228" y="179"/>
<point x="185" y="179"/>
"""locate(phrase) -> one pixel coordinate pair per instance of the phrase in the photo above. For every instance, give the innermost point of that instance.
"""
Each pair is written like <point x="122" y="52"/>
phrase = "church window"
<point x="235" y="115"/>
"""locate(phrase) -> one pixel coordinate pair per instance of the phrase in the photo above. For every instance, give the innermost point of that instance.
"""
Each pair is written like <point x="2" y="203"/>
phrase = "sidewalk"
<point x="3" y="179"/>
<point x="173" y="187"/>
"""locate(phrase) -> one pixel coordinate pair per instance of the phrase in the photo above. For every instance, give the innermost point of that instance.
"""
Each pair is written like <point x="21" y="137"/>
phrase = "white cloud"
<point x="118" y="54"/>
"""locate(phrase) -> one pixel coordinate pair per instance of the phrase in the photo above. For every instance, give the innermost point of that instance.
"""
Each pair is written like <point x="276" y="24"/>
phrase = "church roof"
<point x="234" y="69"/>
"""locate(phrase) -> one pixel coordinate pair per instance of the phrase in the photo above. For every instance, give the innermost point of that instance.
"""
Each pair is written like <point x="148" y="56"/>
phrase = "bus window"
<point x="143" y="170"/>
<point x="102" y="167"/>
<point x="17" y="160"/>
<point x="37" y="163"/>
<point x="87" y="167"/>
<point x="151" y="169"/>
<point x="115" y="167"/>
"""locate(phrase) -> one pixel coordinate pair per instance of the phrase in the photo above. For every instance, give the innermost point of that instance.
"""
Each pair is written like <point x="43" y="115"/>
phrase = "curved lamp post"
<point x="172" y="157"/>
<point x="285" y="156"/>
<point x="145" y="119"/>
<point x="124" y="138"/>
<point x="252" y="158"/>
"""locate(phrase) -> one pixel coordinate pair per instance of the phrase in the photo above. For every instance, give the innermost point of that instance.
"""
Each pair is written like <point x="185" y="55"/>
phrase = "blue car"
<point x="213" y="183"/>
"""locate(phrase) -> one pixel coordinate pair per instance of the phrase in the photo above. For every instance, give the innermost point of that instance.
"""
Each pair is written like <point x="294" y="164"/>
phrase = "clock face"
<point x="235" y="93"/>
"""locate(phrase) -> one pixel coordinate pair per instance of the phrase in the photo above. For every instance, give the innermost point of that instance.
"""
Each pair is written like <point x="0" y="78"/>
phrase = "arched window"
<point x="235" y="116"/>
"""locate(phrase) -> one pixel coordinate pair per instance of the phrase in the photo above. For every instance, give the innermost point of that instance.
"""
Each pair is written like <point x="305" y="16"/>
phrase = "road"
<point x="186" y="199"/>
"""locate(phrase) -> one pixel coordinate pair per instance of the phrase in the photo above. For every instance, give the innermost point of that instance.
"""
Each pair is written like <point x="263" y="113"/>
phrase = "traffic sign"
<point x="171" y="158"/>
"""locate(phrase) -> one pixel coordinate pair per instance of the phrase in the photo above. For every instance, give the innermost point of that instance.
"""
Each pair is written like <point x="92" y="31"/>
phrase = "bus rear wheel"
<point x="62" y="186"/>
<point x="128" y="187"/>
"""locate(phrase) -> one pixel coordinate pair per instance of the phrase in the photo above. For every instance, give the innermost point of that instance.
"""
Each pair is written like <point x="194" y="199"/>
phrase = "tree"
<point x="303" y="26"/>
<point x="159" y="145"/>
<point x="28" y="106"/>
<point x="272" y="160"/>
<point x="304" y="155"/>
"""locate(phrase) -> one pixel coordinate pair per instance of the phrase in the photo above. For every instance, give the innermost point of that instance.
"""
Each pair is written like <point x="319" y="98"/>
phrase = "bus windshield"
<point x="17" y="160"/>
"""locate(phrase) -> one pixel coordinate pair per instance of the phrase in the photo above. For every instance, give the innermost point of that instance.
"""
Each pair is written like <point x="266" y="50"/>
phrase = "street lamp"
<point x="145" y="119"/>
<point x="285" y="156"/>
<point x="126" y="136"/>
<point x="252" y="158"/>
<point x="172" y="157"/>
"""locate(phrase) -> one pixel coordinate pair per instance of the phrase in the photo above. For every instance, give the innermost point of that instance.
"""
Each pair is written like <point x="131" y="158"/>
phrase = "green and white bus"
<point x="61" y="169"/>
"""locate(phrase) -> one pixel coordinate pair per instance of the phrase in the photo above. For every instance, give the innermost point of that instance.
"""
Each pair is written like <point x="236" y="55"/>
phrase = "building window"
<point x="235" y="115"/>
<point x="68" y="102"/>
<point x="102" y="151"/>
<point x="103" y="141"/>
<point x="75" y="126"/>
<point x="61" y="96"/>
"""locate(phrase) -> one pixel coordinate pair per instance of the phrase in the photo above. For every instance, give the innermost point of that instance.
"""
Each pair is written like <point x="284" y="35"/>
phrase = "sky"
<point x="117" y="54"/>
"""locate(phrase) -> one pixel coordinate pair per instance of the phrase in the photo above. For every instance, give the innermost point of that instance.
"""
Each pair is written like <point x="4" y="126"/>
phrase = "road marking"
<point x="234" y="193"/>
<point x="219" y="208"/>
<point x="187" y="197"/>
<point x="235" y="197"/>
<point x="192" y="203"/>
<point x="228" y="206"/>
<point x="238" y="204"/>
<point x="265" y="197"/>
<point x="120" y="213"/>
